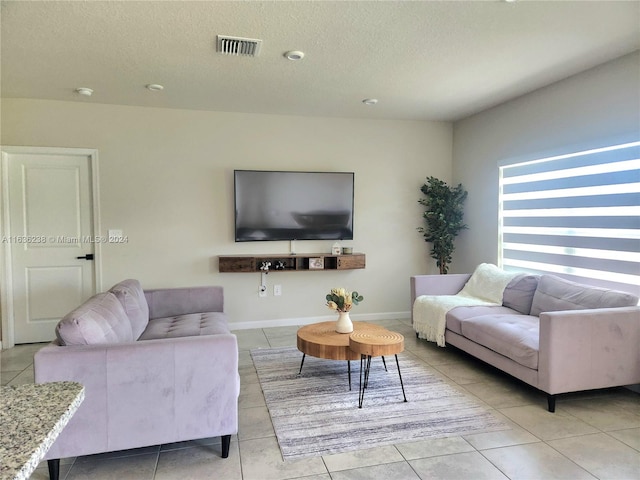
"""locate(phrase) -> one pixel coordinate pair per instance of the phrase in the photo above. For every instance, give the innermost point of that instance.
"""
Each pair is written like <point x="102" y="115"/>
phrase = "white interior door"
<point x="50" y="228"/>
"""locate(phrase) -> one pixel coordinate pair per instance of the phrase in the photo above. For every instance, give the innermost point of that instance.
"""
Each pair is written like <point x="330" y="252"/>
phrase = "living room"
<point x="166" y="174"/>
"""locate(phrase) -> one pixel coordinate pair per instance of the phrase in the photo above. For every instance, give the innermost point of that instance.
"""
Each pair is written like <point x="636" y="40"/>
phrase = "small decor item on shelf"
<point x="336" y="249"/>
<point x="316" y="263"/>
<point x="342" y="301"/>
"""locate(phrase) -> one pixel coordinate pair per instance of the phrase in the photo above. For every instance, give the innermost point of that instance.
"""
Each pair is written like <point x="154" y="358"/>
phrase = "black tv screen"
<point x="276" y="205"/>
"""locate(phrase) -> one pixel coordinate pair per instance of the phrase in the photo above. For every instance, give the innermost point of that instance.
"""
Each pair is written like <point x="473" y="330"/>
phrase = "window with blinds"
<point x="577" y="215"/>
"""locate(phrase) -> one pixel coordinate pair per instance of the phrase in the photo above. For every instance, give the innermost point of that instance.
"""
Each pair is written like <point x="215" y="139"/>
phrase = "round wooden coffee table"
<point x="322" y="341"/>
<point x="371" y="343"/>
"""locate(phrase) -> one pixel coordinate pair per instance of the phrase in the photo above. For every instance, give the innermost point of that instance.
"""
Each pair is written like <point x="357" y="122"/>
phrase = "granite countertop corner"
<point x="32" y="416"/>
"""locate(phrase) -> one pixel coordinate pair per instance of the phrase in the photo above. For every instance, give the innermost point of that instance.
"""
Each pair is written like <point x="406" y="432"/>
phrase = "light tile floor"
<point x="591" y="435"/>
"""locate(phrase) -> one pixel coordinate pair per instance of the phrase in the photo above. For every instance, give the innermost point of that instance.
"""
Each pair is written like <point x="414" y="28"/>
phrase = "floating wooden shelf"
<point x="284" y="263"/>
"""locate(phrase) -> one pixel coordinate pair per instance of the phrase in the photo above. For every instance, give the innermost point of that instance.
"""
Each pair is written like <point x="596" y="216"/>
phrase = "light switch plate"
<point x="115" y="233"/>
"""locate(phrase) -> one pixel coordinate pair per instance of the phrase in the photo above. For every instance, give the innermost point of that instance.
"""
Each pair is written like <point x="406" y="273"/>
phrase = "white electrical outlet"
<point x="277" y="290"/>
<point x="262" y="291"/>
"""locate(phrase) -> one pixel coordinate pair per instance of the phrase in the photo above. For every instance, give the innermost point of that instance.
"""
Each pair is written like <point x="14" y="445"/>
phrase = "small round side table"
<point x="372" y="343"/>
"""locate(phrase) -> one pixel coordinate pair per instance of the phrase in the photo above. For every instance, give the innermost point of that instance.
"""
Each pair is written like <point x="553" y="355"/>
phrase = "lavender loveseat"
<point x="158" y="366"/>
<point x="555" y="335"/>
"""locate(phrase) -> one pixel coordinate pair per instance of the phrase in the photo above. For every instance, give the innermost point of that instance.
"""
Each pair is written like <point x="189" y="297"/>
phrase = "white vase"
<point x="344" y="325"/>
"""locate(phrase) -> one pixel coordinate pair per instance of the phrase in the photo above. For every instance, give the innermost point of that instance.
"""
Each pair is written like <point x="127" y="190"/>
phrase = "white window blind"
<point x="577" y="215"/>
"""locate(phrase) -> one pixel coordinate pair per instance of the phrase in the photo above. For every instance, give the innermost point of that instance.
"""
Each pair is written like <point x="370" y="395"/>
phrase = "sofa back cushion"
<point x="518" y="294"/>
<point x="99" y="320"/>
<point x="554" y="294"/>
<point x="132" y="298"/>
<point x="171" y="302"/>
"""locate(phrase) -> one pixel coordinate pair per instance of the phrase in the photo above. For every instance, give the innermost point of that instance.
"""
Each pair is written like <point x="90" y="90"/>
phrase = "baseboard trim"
<point x="288" y="322"/>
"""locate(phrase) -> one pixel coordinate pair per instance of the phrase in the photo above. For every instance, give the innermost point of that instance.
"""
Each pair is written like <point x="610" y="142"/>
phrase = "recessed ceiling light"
<point x="370" y="101"/>
<point x="87" y="92"/>
<point x="294" y="55"/>
<point x="154" y="87"/>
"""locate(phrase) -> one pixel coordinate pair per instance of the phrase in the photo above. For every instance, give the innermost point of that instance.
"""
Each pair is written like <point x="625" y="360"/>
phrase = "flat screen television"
<point x="279" y="205"/>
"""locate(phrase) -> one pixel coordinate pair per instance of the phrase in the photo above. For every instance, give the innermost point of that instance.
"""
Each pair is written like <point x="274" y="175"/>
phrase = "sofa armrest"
<point x="448" y="284"/>
<point x="170" y="302"/>
<point x="145" y="393"/>
<point x="589" y="349"/>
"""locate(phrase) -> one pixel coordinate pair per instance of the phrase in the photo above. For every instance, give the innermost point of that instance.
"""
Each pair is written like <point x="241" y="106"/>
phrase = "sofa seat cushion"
<point x="190" y="325"/>
<point x="514" y="336"/>
<point x="457" y="315"/>
<point x="132" y="298"/>
<point x="99" y="320"/>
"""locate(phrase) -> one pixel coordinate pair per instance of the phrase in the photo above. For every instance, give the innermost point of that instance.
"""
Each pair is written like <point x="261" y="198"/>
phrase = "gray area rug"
<point x="316" y="414"/>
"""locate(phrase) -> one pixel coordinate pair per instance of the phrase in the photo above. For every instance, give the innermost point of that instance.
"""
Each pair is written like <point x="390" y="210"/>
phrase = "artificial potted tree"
<point x="443" y="218"/>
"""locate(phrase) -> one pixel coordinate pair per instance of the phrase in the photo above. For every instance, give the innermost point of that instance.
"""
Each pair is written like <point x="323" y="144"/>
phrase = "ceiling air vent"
<point x="239" y="46"/>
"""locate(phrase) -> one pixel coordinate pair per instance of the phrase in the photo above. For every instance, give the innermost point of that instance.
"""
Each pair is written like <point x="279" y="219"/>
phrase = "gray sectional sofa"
<point x="158" y="366"/>
<point x="556" y="335"/>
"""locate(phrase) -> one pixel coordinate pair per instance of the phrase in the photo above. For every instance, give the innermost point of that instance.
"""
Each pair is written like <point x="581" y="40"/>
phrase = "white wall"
<point x="598" y="107"/>
<point x="166" y="180"/>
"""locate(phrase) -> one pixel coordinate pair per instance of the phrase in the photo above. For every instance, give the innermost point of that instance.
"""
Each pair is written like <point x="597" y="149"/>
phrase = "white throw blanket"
<point x="485" y="287"/>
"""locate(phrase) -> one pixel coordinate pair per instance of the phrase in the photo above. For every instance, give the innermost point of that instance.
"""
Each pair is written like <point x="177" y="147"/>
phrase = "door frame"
<point x="6" y="276"/>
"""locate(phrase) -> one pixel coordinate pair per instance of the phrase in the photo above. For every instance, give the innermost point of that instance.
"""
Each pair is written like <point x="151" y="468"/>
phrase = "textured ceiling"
<point x="424" y="60"/>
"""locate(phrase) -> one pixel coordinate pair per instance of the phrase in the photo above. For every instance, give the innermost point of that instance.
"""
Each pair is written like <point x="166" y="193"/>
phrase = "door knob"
<point x="88" y="256"/>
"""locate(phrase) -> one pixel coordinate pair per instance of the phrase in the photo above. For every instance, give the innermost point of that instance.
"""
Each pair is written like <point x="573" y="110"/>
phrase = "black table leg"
<point x="365" y="368"/>
<point x="400" y="375"/>
<point x="54" y="468"/>
<point x="366" y="372"/>
<point x="385" y="364"/>
<point x="302" y="363"/>
<point x="364" y="378"/>
<point x="361" y="388"/>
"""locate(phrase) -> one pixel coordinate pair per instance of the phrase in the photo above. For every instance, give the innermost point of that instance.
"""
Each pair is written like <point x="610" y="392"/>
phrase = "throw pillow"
<point x="518" y="295"/>
<point x="487" y="283"/>
<point x="99" y="320"/>
<point x="131" y="296"/>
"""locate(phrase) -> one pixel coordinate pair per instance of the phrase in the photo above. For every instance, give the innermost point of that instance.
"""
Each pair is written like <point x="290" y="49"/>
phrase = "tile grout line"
<point x="155" y="466"/>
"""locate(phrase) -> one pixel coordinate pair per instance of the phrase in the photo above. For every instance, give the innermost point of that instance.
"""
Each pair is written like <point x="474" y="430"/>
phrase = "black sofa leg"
<point x="54" y="469"/>
<point x="226" y="443"/>
<point x="551" y="400"/>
